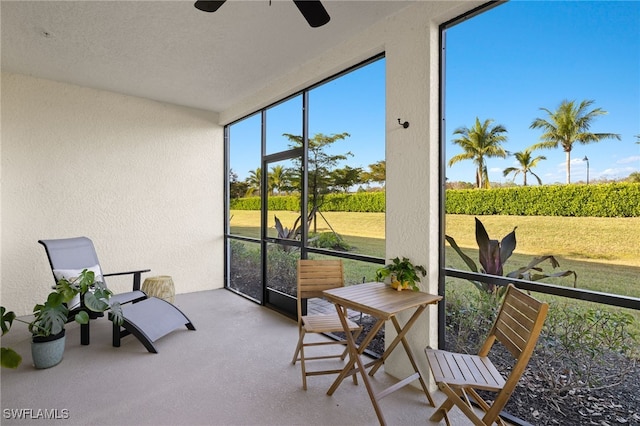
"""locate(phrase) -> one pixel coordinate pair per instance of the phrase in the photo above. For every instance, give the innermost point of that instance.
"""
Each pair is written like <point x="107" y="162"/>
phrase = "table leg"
<point x="401" y="332"/>
<point x="354" y="358"/>
<point x="399" y="337"/>
<point x="409" y="352"/>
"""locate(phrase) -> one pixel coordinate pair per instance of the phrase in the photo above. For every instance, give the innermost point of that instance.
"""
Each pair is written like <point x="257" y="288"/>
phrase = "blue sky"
<point x="504" y="64"/>
<point x="353" y="103"/>
<point x="510" y="61"/>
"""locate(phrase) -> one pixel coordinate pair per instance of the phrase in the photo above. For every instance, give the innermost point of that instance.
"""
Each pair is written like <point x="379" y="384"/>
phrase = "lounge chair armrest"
<point x="136" y="276"/>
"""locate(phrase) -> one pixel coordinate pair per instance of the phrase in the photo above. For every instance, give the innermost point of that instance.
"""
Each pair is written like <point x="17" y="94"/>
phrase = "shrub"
<point x="369" y="202"/>
<point x="601" y="200"/>
<point x="282" y="269"/>
<point x="328" y="240"/>
<point x="618" y="199"/>
<point x="245" y="268"/>
<point x="579" y="344"/>
<point x="468" y="318"/>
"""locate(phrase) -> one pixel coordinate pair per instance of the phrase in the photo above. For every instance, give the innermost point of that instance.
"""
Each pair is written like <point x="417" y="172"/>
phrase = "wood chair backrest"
<point x="315" y="276"/>
<point x="517" y="327"/>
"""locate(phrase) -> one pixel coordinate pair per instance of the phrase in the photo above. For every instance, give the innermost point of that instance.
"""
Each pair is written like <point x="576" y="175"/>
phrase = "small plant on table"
<point x="402" y="274"/>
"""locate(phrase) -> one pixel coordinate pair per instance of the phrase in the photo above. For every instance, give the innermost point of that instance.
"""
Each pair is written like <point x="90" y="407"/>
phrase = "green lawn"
<point x="601" y="240"/>
<point x="604" y="252"/>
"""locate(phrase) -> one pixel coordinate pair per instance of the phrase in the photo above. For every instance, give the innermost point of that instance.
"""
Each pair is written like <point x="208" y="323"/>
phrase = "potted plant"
<point x="402" y="274"/>
<point x="9" y="358"/>
<point x="48" y="325"/>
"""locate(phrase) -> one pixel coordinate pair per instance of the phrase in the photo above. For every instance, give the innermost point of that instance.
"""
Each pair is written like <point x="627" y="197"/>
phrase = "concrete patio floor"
<point x="234" y="370"/>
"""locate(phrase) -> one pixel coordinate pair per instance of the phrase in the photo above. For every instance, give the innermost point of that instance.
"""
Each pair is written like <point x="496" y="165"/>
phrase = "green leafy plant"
<point x="51" y="316"/>
<point x="282" y="271"/>
<point x="329" y="240"/>
<point x="294" y="232"/>
<point x="8" y="357"/>
<point x="287" y="233"/>
<point x="493" y="254"/>
<point x="94" y="296"/>
<point x="402" y="274"/>
<point x="468" y="317"/>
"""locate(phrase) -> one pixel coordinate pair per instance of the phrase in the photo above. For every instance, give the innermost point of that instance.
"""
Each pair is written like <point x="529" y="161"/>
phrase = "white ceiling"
<point x="168" y="50"/>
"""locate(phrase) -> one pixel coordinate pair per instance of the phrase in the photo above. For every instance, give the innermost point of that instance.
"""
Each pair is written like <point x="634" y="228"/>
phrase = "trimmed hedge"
<point x="598" y="200"/>
<point x="371" y="202"/>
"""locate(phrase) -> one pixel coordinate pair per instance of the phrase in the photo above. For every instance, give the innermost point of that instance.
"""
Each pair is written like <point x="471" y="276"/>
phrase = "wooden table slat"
<point x="379" y="299"/>
<point x="384" y="303"/>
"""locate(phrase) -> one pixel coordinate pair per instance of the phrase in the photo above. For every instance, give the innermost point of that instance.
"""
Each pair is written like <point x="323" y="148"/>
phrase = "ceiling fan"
<point x="312" y="10"/>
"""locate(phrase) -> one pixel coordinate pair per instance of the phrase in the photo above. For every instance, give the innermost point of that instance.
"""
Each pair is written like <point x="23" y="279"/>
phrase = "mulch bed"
<point x="533" y="403"/>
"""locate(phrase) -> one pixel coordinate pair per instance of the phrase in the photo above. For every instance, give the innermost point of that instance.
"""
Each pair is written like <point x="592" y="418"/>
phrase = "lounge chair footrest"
<point x="150" y="320"/>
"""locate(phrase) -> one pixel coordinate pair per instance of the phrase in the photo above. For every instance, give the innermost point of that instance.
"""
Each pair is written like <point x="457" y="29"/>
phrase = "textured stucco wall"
<point x="410" y="40"/>
<point x="152" y="173"/>
<point x="142" y="179"/>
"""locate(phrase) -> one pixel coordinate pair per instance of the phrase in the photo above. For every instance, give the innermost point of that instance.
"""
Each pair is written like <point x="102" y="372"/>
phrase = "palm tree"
<point x="278" y="178"/>
<point x="526" y="163"/>
<point x="254" y="180"/>
<point x="567" y="125"/>
<point x="478" y="143"/>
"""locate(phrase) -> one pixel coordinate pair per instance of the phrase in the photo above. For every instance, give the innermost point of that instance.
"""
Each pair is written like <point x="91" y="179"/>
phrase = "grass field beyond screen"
<point x="604" y="252"/>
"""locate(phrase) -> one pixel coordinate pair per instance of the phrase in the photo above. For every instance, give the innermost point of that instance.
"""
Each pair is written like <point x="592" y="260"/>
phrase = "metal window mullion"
<point x="304" y="175"/>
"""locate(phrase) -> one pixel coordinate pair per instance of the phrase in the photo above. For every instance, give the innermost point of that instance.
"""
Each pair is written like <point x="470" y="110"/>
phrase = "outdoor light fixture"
<point x="587" y="160"/>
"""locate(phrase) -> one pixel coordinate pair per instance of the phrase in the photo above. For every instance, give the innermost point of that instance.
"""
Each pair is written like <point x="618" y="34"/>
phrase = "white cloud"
<point x="627" y="160"/>
<point x="614" y="173"/>
<point x="575" y="161"/>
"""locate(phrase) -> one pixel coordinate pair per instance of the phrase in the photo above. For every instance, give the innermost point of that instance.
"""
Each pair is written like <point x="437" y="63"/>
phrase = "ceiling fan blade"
<point x="313" y="11"/>
<point x="209" y="6"/>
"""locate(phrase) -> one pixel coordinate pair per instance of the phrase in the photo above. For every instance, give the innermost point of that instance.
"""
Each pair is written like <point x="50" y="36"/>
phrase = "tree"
<point x="237" y="189"/>
<point x="320" y="164"/>
<point x="254" y="180"/>
<point x="458" y="185"/>
<point x="377" y="173"/>
<point x="567" y="125"/>
<point x="526" y="163"/>
<point x="480" y="142"/>
<point x="633" y="177"/>
<point x="279" y="179"/>
<point x="346" y="177"/>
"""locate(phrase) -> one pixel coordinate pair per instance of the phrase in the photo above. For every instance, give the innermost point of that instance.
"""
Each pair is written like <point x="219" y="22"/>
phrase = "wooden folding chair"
<point x="517" y="327"/>
<point x="315" y="276"/>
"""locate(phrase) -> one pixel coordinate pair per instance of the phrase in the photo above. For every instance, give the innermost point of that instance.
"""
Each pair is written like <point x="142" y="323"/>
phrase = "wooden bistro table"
<point x="384" y="303"/>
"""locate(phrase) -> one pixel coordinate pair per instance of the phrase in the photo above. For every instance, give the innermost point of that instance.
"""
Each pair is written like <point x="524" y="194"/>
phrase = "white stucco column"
<point x="412" y="169"/>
